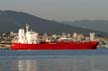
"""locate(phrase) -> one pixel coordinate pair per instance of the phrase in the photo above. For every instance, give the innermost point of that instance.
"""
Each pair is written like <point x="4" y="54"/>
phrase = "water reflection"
<point x="75" y="63"/>
<point x="27" y="65"/>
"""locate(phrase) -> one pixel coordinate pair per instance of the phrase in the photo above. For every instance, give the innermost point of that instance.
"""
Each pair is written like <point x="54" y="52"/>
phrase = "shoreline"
<point x="4" y="46"/>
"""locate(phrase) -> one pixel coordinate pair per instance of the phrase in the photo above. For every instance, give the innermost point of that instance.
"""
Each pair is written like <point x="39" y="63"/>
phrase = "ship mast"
<point x="27" y="28"/>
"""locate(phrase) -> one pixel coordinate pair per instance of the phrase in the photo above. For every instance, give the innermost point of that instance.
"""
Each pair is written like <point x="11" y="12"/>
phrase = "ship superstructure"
<point x="28" y="37"/>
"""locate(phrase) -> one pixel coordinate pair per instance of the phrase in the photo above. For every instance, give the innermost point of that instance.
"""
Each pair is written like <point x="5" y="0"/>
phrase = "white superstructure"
<point x="29" y="37"/>
<point x="21" y="36"/>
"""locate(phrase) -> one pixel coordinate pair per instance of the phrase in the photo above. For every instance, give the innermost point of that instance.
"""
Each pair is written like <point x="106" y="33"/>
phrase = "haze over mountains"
<point x="100" y="25"/>
<point x="12" y="20"/>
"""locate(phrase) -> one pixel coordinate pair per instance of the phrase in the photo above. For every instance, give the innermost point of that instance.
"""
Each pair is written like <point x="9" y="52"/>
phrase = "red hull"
<point x="55" y="46"/>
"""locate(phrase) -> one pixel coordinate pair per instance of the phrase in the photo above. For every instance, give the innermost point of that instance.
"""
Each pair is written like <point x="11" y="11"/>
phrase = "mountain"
<point x="12" y="20"/>
<point x="100" y="25"/>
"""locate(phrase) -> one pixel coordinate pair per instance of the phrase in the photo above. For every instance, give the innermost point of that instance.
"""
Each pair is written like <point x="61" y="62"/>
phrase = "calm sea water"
<point x="62" y="60"/>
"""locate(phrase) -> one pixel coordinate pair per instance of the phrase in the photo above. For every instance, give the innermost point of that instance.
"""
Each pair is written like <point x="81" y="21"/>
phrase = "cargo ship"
<point x="30" y="40"/>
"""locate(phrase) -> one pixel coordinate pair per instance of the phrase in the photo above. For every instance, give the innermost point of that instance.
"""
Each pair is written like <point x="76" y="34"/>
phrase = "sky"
<point x="60" y="10"/>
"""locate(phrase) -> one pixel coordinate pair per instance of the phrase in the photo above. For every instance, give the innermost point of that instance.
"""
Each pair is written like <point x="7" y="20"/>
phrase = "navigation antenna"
<point x="27" y="27"/>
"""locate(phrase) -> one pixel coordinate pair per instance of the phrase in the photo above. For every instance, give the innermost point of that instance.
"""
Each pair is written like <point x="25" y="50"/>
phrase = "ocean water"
<point x="61" y="60"/>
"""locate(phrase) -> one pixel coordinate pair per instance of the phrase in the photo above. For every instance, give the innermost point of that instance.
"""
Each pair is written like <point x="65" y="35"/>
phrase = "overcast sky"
<point x="60" y="9"/>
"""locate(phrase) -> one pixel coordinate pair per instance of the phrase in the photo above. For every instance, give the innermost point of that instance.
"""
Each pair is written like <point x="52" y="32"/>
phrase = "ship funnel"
<point x="92" y="36"/>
